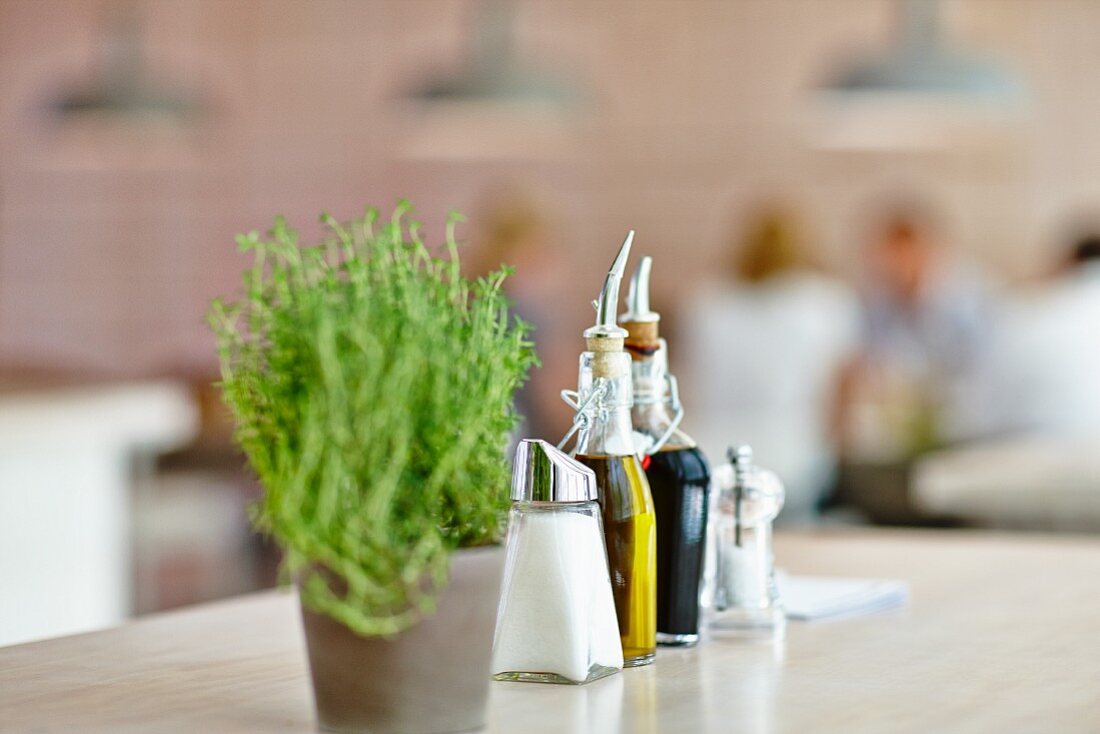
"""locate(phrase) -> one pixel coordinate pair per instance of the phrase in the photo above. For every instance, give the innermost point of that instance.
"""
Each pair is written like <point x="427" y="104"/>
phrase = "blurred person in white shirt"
<point x="1037" y="463"/>
<point x="1043" y="369"/>
<point x="762" y="349"/>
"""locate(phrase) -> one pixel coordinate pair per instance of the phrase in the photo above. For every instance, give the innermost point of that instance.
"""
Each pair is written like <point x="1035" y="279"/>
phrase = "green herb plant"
<point x="372" y="385"/>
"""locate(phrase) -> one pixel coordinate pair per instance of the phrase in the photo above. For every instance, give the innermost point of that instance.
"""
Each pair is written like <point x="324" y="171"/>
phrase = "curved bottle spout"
<point x="637" y="297"/>
<point x="607" y="306"/>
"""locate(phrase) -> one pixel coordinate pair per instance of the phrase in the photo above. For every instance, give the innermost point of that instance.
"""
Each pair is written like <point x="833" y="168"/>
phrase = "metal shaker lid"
<point x="542" y="473"/>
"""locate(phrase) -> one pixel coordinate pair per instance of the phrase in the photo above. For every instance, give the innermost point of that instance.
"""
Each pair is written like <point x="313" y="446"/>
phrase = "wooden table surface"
<point x="1002" y="635"/>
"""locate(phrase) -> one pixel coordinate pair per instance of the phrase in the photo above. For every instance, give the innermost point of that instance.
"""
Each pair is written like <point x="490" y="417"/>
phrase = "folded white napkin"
<point x="823" y="597"/>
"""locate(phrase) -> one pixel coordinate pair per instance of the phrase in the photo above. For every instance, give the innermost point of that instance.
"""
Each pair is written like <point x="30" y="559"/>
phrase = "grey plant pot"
<point x="430" y="679"/>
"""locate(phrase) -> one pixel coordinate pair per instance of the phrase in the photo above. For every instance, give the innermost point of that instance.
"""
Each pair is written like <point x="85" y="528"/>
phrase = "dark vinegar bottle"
<point x="678" y="472"/>
<point x="678" y="480"/>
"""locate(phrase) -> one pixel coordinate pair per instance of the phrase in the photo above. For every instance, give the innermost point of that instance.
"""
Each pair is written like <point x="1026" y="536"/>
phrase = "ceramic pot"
<point x="430" y="679"/>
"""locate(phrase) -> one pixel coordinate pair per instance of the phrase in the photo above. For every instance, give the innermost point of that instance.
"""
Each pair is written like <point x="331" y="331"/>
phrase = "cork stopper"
<point x="643" y="338"/>
<point x="641" y="323"/>
<point x="605" y="350"/>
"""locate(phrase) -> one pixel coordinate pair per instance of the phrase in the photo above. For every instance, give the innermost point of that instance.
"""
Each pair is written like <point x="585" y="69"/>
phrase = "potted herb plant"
<point x="372" y="386"/>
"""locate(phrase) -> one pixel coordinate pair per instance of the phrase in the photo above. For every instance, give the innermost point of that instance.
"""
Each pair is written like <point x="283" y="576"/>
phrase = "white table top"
<point x="1000" y="636"/>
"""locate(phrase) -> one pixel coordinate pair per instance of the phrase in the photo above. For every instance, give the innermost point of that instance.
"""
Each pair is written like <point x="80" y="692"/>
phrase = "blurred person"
<point x="1036" y="465"/>
<point x="763" y="348"/>
<point x="514" y="232"/>
<point x="926" y="323"/>
<point x="1043" y="370"/>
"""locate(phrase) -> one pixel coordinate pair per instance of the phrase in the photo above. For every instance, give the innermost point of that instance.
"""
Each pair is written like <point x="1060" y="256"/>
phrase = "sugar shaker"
<point x="556" y="621"/>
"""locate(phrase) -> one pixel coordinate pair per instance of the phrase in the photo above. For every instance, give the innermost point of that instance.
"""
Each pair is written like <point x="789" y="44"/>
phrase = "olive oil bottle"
<point x="678" y="472"/>
<point x="630" y="536"/>
<point x="605" y="442"/>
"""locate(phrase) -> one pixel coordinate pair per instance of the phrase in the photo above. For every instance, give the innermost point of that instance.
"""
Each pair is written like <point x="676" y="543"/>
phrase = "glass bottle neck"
<point x="653" y="412"/>
<point x="607" y="392"/>
<point x="653" y="421"/>
<point x="609" y="433"/>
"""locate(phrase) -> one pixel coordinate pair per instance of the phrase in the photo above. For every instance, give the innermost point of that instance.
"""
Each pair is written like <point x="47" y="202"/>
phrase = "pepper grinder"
<point x="745" y="601"/>
<point x="556" y="621"/>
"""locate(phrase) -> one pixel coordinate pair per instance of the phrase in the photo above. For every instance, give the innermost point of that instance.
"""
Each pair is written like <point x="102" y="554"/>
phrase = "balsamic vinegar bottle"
<point x="605" y="443"/>
<point x="678" y="473"/>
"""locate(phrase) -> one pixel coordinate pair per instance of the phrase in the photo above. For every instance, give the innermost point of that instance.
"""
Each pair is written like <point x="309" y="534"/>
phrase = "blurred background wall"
<point x="115" y="233"/>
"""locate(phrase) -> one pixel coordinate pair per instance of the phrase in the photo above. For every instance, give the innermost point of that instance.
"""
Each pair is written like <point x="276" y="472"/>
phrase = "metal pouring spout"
<point x="637" y="297"/>
<point x="642" y="324"/>
<point x="607" y="305"/>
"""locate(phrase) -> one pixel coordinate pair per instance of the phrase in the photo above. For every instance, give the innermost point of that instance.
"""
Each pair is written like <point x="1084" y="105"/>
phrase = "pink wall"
<point x="112" y="241"/>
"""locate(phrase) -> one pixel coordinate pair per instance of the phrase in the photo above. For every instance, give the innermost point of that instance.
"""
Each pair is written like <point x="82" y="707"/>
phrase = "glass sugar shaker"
<point x="744" y="600"/>
<point x="556" y="621"/>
